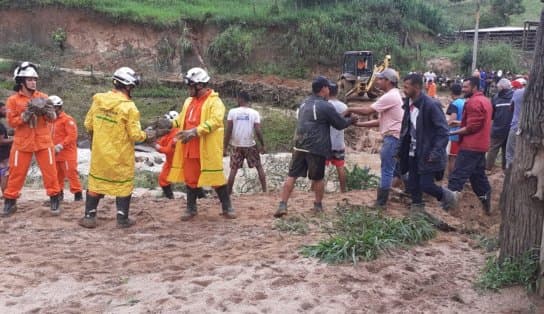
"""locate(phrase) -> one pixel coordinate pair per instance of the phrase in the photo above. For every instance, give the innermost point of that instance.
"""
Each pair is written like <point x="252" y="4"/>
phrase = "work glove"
<point x="187" y="135"/>
<point x="58" y="148"/>
<point x="26" y="116"/>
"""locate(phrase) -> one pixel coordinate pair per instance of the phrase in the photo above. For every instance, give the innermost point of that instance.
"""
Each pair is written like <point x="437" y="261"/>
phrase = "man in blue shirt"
<point x="455" y="113"/>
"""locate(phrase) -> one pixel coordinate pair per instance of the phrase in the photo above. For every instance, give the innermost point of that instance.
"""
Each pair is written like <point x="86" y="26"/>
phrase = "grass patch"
<point x="359" y="234"/>
<point x="523" y="271"/>
<point x="360" y="179"/>
<point x="278" y="130"/>
<point x="292" y="224"/>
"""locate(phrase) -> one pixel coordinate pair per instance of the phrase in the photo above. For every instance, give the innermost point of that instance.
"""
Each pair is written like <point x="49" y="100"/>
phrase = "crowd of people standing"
<point x="416" y="136"/>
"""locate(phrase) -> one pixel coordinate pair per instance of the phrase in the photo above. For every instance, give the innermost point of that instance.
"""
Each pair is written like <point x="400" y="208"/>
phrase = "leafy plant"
<point x="59" y="38"/>
<point x="359" y="234"/>
<point x="231" y="49"/>
<point x="360" y="179"/>
<point x="523" y="271"/>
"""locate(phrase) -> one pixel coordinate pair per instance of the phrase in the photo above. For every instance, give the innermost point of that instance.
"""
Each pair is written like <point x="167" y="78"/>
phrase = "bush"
<point x="231" y="49"/>
<point x="358" y="234"/>
<point x="22" y="51"/>
<point x="492" y="56"/>
<point x="360" y="179"/>
<point x="510" y="272"/>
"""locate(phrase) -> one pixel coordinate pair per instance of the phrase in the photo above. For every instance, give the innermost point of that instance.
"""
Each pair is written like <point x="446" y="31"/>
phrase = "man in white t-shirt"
<point x="242" y="122"/>
<point x="338" y="146"/>
<point x="389" y="107"/>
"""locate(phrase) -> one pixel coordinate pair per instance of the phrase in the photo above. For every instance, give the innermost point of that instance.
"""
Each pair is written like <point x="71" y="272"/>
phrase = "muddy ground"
<point x="162" y="265"/>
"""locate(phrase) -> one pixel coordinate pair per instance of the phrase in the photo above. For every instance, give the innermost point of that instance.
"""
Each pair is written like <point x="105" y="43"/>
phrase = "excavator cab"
<point x="358" y="63"/>
<point x="359" y="74"/>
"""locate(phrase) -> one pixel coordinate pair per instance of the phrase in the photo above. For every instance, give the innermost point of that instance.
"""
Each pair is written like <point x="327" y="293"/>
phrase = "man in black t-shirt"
<point x="5" y="147"/>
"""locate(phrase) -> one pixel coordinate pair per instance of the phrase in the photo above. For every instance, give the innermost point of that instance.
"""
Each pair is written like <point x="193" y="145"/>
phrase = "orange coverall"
<point x="191" y="156"/>
<point x="166" y="146"/>
<point x="65" y="133"/>
<point x="29" y="141"/>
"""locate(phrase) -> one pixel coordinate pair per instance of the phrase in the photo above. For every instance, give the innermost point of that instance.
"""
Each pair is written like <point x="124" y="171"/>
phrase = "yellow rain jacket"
<point x="114" y="122"/>
<point x="210" y="133"/>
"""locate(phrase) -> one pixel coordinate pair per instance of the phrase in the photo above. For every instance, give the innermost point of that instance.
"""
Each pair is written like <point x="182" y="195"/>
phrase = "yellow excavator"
<point x="359" y="74"/>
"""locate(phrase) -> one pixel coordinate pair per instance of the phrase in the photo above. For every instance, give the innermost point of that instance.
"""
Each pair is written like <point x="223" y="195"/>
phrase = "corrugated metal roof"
<point x="495" y="29"/>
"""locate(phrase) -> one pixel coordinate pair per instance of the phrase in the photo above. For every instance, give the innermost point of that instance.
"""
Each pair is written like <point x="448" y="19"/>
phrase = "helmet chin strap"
<point x="32" y="90"/>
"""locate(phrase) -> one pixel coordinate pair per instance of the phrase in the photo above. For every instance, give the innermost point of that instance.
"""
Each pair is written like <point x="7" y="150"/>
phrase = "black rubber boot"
<point x="224" y="197"/>
<point x="381" y="198"/>
<point x="10" y="207"/>
<point x="55" y="203"/>
<point x="123" y="206"/>
<point x="486" y="202"/>
<point x="190" y="211"/>
<point x="78" y="196"/>
<point x="200" y="193"/>
<point x="91" y="203"/>
<point x="167" y="191"/>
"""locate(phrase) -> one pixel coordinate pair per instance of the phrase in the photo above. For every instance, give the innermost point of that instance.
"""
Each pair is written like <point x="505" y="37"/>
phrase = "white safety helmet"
<point x="172" y="115"/>
<point x="56" y="100"/>
<point x="196" y="75"/>
<point x="126" y="76"/>
<point x="26" y="69"/>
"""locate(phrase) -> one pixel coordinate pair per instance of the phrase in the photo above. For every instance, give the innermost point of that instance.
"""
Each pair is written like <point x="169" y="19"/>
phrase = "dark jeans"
<point x="469" y="165"/>
<point x="497" y="143"/>
<point x="419" y="183"/>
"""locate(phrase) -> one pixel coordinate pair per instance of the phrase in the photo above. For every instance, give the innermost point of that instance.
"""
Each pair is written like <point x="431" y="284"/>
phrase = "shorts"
<point x="306" y="164"/>
<point x="454" y="148"/>
<point x="251" y="154"/>
<point x="337" y="158"/>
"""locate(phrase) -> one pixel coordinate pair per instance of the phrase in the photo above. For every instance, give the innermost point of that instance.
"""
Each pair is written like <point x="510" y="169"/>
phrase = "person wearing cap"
<point x="315" y="116"/>
<point x="32" y="137"/>
<point x="198" y="155"/>
<point x="423" y="142"/>
<point x="502" y="118"/>
<point x="242" y="123"/>
<point x="65" y="140"/>
<point x="338" y="144"/>
<point x="517" y="102"/>
<point x="113" y="123"/>
<point x="389" y="108"/>
<point x="165" y="145"/>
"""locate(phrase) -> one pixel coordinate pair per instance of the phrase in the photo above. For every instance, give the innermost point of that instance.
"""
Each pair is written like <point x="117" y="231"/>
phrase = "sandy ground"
<point x="211" y="265"/>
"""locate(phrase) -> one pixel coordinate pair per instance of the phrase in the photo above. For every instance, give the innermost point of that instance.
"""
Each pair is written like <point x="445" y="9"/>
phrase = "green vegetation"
<point x="497" y="275"/>
<point x="497" y="56"/>
<point x="231" y="49"/>
<point x="360" y="179"/>
<point x="278" y="129"/>
<point x="292" y="224"/>
<point x="359" y="234"/>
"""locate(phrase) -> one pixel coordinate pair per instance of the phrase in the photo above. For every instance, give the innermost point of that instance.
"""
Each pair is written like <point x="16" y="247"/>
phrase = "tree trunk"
<point x="522" y="214"/>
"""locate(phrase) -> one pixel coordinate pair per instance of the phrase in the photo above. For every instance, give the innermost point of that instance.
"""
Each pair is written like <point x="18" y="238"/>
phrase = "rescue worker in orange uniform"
<point x="32" y="138"/>
<point x="166" y="146"/>
<point x="198" y="156"/>
<point x="65" y="140"/>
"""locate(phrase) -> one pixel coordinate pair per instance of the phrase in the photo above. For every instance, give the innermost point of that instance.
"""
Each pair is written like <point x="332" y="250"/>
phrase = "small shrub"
<point x="358" y="234"/>
<point x="292" y="224"/>
<point x="231" y="49"/>
<point x="360" y="179"/>
<point x="59" y="38"/>
<point x="496" y="275"/>
<point x="145" y="179"/>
